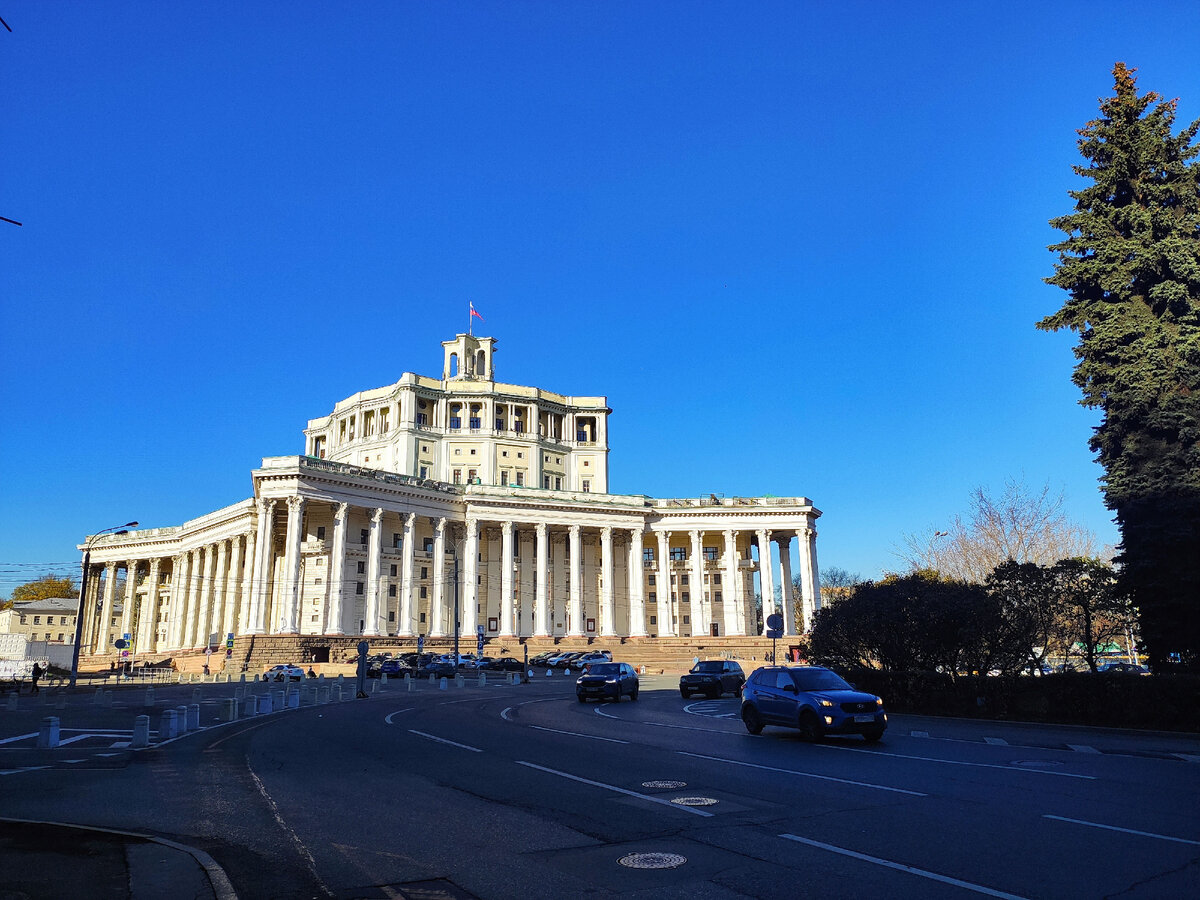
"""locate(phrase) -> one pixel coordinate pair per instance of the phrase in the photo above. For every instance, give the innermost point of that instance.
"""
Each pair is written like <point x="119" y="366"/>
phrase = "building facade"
<point x="459" y="493"/>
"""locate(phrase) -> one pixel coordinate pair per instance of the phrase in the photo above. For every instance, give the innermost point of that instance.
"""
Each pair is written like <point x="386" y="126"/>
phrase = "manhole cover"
<point x="669" y="785"/>
<point x="694" y="801"/>
<point x="1038" y="763"/>
<point x="652" y="860"/>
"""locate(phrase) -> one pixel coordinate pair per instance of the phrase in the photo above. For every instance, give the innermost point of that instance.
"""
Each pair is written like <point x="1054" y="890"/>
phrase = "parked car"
<point x="392" y="668"/>
<point x="542" y="659"/>
<point x="437" y="669"/>
<point x="1122" y="668"/>
<point x="284" y="673"/>
<point x="607" y="681"/>
<point x="592" y="656"/>
<point x="712" y="677"/>
<point x="813" y="699"/>
<point x="507" y="664"/>
<point x="564" y="659"/>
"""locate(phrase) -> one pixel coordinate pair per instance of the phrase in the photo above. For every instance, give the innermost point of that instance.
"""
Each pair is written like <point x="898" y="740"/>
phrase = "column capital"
<point x="377" y="515"/>
<point x="694" y="535"/>
<point x="295" y="503"/>
<point x="266" y="505"/>
<point x="410" y="520"/>
<point x="540" y="528"/>
<point x="440" y="526"/>
<point x="575" y="532"/>
<point x="340" y="510"/>
<point x="606" y="533"/>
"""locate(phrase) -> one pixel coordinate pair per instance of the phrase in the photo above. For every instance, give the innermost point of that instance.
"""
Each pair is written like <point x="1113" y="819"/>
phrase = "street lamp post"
<point x="83" y="586"/>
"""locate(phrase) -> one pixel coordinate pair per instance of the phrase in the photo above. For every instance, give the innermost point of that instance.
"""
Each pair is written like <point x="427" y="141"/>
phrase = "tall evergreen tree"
<point x="1131" y="265"/>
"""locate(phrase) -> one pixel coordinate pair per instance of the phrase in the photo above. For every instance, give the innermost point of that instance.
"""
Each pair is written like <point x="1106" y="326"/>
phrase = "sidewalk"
<point x="47" y="862"/>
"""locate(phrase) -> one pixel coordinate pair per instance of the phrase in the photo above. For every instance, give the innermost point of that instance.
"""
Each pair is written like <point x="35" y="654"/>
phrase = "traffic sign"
<point x="774" y="633"/>
<point x="120" y="643"/>
<point x="775" y="622"/>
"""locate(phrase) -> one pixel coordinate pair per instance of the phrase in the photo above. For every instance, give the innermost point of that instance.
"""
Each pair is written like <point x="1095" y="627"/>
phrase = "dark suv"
<point x="812" y="699"/>
<point x="712" y="677"/>
<point x="607" y="681"/>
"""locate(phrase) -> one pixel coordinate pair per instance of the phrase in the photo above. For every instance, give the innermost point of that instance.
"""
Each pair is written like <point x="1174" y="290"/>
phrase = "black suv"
<point x="607" y="681"/>
<point x="712" y="677"/>
<point x="812" y="699"/>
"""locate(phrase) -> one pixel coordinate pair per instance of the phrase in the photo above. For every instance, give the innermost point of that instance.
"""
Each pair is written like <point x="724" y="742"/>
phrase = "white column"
<point x="637" y="590"/>
<point x="100" y="638"/>
<point x="607" y="624"/>
<point x="263" y="567"/>
<point x="666" y="624"/>
<point x="148" y="610"/>
<point x="374" y="551"/>
<point x="729" y="605"/>
<point x="337" y="571"/>
<point x="437" y="615"/>
<point x="541" y="626"/>
<point x="785" y="567"/>
<point x="699" y="625"/>
<point x="407" y="627"/>
<point x="219" y="590"/>
<point x="469" y="601"/>
<point x="127" y="608"/>
<point x="192" y="602"/>
<point x="766" y="575"/>
<point x="290" y="614"/>
<point x="811" y="574"/>
<point x="206" y="597"/>
<point x="233" y="586"/>
<point x="590" y="600"/>
<point x="506" y="579"/>
<point x="242" y="619"/>
<point x="575" y="619"/>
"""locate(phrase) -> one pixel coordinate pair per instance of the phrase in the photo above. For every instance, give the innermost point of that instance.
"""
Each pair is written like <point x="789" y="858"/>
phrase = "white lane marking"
<point x="618" y="790"/>
<point x="108" y="754"/>
<point x="19" y="737"/>
<point x="119" y="745"/>
<point x="1083" y="748"/>
<point x="900" y="867"/>
<point x="388" y="717"/>
<point x="866" y="784"/>
<point x="308" y="857"/>
<point x="1188" y="757"/>
<point x="996" y="742"/>
<point x="957" y="762"/>
<point x="594" y="737"/>
<point x="19" y="771"/>
<point x="596" y="709"/>
<point x="71" y="760"/>
<point x="444" y="741"/>
<point x="1150" y="834"/>
<point x="920" y="734"/>
<point x="504" y="713"/>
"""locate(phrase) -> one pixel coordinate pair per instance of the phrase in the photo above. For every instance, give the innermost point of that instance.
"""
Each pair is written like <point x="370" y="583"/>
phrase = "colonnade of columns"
<point x="537" y="579"/>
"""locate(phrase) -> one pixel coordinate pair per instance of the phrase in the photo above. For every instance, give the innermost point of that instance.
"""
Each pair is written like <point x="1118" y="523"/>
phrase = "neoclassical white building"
<point x="404" y="486"/>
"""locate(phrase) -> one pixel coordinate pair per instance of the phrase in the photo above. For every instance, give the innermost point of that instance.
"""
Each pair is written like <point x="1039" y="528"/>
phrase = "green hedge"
<point x="1160" y="702"/>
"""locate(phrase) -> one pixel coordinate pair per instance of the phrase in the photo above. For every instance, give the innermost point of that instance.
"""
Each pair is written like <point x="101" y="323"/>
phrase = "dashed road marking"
<point x="618" y="790"/>
<point x="1149" y="834"/>
<point x="736" y="762"/>
<point x="956" y="762"/>
<point x="434" y="737"/>
<point x="920" y="734"/>
<point x="1083" y="748"/>
<point x="995" y="742"/>
<point x="594" y="737"/>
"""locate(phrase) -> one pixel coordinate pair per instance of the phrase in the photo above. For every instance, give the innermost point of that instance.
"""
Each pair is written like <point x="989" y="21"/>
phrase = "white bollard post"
<point x="460" y="680"/>
<point x="442" y="683"/>
<point x="280" y="701"/>
<point x="148" y="700"/>
<point x="383" y="679"/>
<point x="264" y="704"/>
<point x="250" y="706"/>
<point x="242" y="680"/>
<point x="181" y="719"/>
<point x="483" y="679"/>
<point x="195" y="695"/>
<point x="48" y="736"/>
<point x="141" y="732"/>
<point x="293" y="700"/>
<point x="193" y="717"/>
<point x="229" y="710"/>
<point x="549" y="672"/>
<point x="411" y="682"/>
<point x="168" y="725"/>
<point x="337" y="693"/>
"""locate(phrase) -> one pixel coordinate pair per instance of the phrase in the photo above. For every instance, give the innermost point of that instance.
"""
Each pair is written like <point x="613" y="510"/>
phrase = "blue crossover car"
<point x="814" y="700"/>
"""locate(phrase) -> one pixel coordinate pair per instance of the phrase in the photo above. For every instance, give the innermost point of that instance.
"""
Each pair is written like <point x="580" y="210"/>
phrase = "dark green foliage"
<point x="1130" y="263"/>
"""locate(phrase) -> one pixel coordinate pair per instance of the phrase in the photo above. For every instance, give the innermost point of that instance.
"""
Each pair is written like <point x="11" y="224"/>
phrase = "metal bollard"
<point x="242" y="680"/>
<point x="148" y="700"/>
<point x="181" y="719"/>
<point x="48" y="736"/>
<point x="229" y="710"/>
<point x="250" y="706"/>
<point x="193" y="717"/>
<point x="141" y="732"/>
<point x="168" y="725"/>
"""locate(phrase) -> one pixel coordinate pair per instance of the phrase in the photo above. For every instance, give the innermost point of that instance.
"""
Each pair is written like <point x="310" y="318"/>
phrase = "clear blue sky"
<point x="798" y="245"/>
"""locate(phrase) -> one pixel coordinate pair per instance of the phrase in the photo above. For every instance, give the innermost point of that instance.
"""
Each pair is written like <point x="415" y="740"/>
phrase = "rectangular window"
<point x="397" y="539"/>
<point x="424" y="572"/>
<point x="391" y="590"/>
<point x="424" y="593"/>
<point x="428" y="545"/>
<point x="652" y="581"/>
<point x="392" y="571"/>
<point x="422" y="619"/>
<point x="648" y="554"/>
<point x="362" y="568"/>
<point x="358" y="588"/>
<point x="455" y="422"/>
<point x="422" y="419"/>
<point x="391" y="615"/>
<point x="587" y="487"/>
<point x="717" y="599"/>
<point x="320" y="532"/>
<point x="363" y="534"/>
<point x="520" y="478"/>
<point x="472" y="475"/>
<point x="716" y="579"/>
<point x="678" y="554"/>
<point x="687" y="598"/>
<point x="710" y="554"/>
<point x="654" y="620"/>
<point x="653" y="597"/>
<point x="687" y="620"/>
<point x="557" y="483"/>
<point x="458" y="476"/>
<point x="546" y="481"/>
<point x="475" y="423"/>
<point x="37" y="620"/>
<point x="424" y="471"/>
<point x="683" y="579"/>
<point x="504" y="478"/>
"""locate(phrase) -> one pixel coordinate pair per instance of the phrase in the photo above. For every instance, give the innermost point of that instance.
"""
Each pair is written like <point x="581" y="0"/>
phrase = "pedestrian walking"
<point x="34" y="675"/>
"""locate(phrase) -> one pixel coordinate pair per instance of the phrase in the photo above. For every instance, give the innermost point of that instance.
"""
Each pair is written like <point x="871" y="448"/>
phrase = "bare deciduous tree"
<point x="1021" y="524"/>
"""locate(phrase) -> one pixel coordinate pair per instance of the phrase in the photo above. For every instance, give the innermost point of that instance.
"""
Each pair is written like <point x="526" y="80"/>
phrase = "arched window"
<point x="480" y="364"/>
<point x="453" y="364"/>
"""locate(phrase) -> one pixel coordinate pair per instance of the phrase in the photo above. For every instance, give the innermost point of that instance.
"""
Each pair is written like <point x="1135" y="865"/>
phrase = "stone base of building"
<point x="256" y="653"/>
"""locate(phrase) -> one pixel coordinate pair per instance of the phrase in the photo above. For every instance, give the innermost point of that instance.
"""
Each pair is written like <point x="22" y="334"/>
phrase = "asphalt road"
<point x="520" y="791"/>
